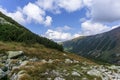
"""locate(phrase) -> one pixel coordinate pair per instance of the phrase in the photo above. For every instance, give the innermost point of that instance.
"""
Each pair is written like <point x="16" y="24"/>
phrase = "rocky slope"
<point x="19" y="61"/>
<point x="103" y="47"/>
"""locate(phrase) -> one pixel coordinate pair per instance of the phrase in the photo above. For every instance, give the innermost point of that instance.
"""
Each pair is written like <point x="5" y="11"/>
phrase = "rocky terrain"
<point x="15" y="65"/>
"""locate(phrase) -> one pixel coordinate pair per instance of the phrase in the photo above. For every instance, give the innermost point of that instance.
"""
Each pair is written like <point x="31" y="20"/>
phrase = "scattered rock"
<point x="34" y="59"/>
<point x="65" y="54"/>
<point x="14" y="54"/>
<point x="56" y="73"/>
<point x="50" y="61"/>
<point x="68" y="61"/>
<point x="75" y="61"/>
<point x="75" y="74"/>
<point x="24" y="63"/>
<point x="84" y="79"/>
<point x="43" y="61"/>
<point x="94" y="72"/>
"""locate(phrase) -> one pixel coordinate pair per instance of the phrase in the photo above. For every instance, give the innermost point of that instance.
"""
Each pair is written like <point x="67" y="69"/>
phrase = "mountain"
<point x="27" y="56"/>
<point x="102" y="47"/>
<point x="10" y="31"/>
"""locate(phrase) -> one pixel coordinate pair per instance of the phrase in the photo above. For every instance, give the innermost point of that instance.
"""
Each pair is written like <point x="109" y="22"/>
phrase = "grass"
<point x="36" y="69"/>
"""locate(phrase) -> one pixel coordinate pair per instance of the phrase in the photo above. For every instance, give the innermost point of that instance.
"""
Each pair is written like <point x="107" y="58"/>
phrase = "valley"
<point x="27" y="56"/>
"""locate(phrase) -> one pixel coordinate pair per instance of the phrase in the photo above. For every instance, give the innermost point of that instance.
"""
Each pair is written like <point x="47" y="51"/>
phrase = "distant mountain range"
<point x="103" y="47"/>
<point x="10" y="31"/>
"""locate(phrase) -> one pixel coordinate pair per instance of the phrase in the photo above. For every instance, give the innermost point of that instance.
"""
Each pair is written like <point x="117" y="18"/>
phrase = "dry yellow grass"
<point x="39" y="51"/>
<point x="35" y="69"/>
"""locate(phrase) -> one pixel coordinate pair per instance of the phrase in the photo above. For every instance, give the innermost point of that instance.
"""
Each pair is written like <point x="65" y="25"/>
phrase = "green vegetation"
<point x="12" y="31"/>
<point x="101" y="47"/>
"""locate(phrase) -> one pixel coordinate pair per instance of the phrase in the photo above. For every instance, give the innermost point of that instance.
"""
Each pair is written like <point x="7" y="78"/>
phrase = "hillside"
<point x="19" y="61"/>
<point x="27" y="56"/>
<point x="10" y="30"/>
<point x="103" y="47"/>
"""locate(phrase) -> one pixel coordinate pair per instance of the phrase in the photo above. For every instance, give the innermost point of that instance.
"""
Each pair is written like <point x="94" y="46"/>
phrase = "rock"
<point x="34" y="59"/>
<point x="94" y="72"/>
<point x="64" y="54"/>
<point x="75" y="73"/>
<point x="43" y="61"/>
<point x="3" y="75"/>
<point x="14" y="54"/>
<point x="75" y="61"/>
<point x="50" y="61"/>
<point x="59" y="78"/>
<point x="84" y="79"/>
<point x="4" y="57"/>
<point x="56" y="73"/>
<point x="24" y="63"/>
<point x="68" y="61"/>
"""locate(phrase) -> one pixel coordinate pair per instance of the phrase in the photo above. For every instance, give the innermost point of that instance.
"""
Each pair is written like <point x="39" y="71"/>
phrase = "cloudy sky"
<point x="62" y="20"/>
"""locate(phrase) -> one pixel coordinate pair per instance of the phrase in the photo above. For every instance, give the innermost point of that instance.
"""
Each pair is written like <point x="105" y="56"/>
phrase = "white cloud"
<point x="104" y="10"/>
<point x="57" y="35"/>
<point x="18" y="15"/>
<point x="91" y="28"/>
<point x="3" y="10"/>
<point x="33" y="12"/>
<point x="76" y="35"/>
<point x="56" y="5"/>
<point x="49" y="5"/>
<point x="65" y="28"/>
<point x="87" y="3"/>
<point x="48" y="21"/>
<point x="60" y="34"/>
<point x="29" y="13"/>
<point x="70" y="5"/>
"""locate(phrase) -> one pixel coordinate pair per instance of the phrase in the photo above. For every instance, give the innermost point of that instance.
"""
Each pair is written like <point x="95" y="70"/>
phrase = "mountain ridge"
<point x="104" y="46"/>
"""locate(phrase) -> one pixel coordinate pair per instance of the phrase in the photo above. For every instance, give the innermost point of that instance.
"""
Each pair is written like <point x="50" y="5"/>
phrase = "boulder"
<point x="75" y="74"/>
<point x="68" y="61"/>
<point x="14" y="54"/>
<point x="94" y="72"/>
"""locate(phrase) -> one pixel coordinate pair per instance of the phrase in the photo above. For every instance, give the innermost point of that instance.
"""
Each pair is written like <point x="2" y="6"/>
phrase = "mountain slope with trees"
<point x="10" y="31"/>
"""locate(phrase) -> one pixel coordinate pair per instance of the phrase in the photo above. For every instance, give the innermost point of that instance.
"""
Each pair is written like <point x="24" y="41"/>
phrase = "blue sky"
<point x="62" y="20"/>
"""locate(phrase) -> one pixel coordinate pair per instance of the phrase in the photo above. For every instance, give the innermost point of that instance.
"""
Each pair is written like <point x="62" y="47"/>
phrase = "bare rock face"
<point x="14" y="54"/>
